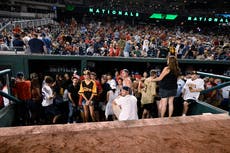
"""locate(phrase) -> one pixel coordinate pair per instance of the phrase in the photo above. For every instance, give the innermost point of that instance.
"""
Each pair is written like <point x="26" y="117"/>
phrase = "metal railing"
<point x="27" y="24"/>
<point x="215" y="76"/>
<point x="7" y="113"/>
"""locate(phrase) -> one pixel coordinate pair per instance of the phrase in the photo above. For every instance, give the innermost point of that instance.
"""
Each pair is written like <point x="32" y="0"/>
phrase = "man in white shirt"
<point x="191" y="91"/>
<point x="125" y="106"/>
<point x="225" y="104"/>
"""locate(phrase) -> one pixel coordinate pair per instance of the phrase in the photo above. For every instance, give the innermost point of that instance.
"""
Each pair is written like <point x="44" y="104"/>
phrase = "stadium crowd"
<point x="120" y="39"/>
<point x="69" y="98"/>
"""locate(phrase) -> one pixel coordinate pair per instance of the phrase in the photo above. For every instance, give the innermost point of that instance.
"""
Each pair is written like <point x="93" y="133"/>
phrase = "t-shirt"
<point x="196" y="84"/>
<point x="36" y="45"/>
<point x="46" y="93"/>
<point x="225" y="92"/>
<point x="128" y="106"/>
<point x="23" y="90"/>
<point x="73" y="90"/>
<point x="148" y="92"/>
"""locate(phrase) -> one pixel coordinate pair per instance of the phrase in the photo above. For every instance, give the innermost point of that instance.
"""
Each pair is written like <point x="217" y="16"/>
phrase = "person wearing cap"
<point x="88" y="90"/>
<point x="73" y="97"/>
<point x="168" y="85"/>
<point x="191" y="91"/>
<point x="125" y="106"/>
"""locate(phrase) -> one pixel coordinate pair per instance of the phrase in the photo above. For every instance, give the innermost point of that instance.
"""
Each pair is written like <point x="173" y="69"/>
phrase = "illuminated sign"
<point x="163" y="16"/>
<point x="113" y="12"/>
<point x="224" y="15"/>
<point x="207" y="19"/>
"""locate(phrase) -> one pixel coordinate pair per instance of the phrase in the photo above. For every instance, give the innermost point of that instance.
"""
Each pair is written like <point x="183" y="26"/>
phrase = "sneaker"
<point x="184" y="115"/>
<point x="55" y="119"/>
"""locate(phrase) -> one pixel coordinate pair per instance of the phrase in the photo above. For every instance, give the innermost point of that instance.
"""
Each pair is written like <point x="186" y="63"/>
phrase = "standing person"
<point x="23" y="93"/>
<point x="168" y="85"/>
<point x="97" y="103"/>
<point x="125" y="106"/>
<point x="36" y="98"/>
<point x="126" y="79"/>
<point x="103" y="96"/>
<point x="47" y="42"/>
<point x="111" y="95"/>
<point x="73" y="99"/>
<point x="48" y="100"/>
<point x="128" y="47"/>
<point x="18" y="43"/>
<point x="36" y="45"/>
<point x="148" y="93"/>
<point x="88" y="90"/>
<point x="191" y="91"/>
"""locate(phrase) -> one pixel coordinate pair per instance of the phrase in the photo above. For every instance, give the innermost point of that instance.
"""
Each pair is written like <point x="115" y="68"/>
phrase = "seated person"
<point x="191" y="91"/>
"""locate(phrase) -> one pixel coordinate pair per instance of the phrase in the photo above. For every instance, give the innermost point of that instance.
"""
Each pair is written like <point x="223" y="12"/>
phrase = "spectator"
<point x="168" y="85"/>
<point x="3" y="45"/>
<point x="88" y="90"/>
<point x="23" y="93"/>
<point x="36" y="45"/>
<point x="125" y="106"/>
<point x="191" y="91"/>
<point x="48" y="99"/>
<point x="148" y="93"/>
<point x="111" y="95"/>
<point x="74" y="109"/>
<point x="47" y="42"/>
<point x="18" y="43"/>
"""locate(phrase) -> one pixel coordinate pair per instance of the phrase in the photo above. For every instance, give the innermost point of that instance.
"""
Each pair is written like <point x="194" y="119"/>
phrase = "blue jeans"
<point x="72" y="116"/>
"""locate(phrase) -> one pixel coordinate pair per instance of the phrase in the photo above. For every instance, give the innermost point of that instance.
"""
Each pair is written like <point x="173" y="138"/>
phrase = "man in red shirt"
<point x="22" y="92"/>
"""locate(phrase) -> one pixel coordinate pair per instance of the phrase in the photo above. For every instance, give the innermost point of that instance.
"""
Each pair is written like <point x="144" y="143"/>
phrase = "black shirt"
<point x="36" y="45"/>
<point x="73" y="90"/>
<point x="169" y="82"/>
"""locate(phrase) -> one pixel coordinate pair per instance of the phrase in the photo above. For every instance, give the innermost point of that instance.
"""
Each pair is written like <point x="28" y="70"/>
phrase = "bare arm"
<point x="107" y="96"/>
<point x="70" y="98"/>
<point x="162" y="75"/>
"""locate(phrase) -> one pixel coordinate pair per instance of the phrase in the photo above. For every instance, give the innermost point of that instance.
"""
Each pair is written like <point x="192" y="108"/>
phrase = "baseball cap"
<point x="193" y="72"/>
<point x="126" y="88"/>
<point x="20" y="74"/>
<point x="126" y="70"/>
<point x="75" y="76"/>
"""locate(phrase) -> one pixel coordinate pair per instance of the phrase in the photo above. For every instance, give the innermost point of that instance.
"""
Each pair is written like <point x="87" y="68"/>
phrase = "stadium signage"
<point x="113" y="12"/>
<point x="207" y="19"/>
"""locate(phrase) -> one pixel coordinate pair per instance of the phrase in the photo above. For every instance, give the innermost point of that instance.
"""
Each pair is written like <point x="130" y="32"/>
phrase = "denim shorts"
<point x="84" y="102"/>
<point x="164" y="93"/>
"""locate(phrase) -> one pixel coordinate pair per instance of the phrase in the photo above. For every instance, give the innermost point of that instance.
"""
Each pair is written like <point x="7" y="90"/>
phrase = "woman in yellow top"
<point x="88" y="91"/>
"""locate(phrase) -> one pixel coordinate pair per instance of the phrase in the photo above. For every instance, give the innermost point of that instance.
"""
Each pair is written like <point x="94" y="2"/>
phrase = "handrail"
<point x="213" y="75"/>
<point x="8" y="73"/>
<point x="216" y="87"/>
<point x="3" y="27"/>
<point x="27" y="23"/>
<point x="5" y="71"/>
<point x="10" y="97"/>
